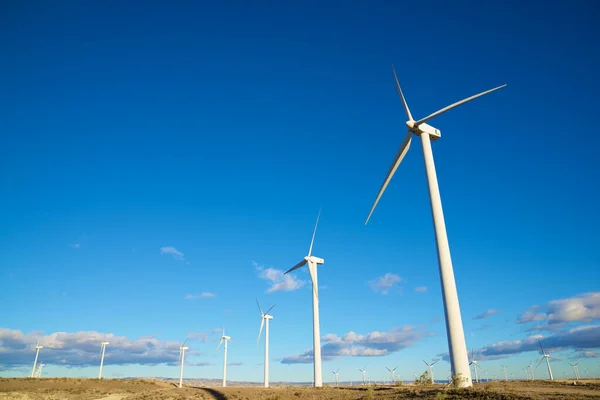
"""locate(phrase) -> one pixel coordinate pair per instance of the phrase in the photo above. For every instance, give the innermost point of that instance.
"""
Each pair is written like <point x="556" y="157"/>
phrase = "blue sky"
<point x="217" y="132"/>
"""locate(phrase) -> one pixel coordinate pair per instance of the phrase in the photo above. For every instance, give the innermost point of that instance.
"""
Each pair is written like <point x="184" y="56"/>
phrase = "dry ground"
<point x="120" y="389"/>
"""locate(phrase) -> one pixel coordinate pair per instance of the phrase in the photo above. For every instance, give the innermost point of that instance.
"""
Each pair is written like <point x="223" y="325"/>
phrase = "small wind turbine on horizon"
<point x="546" y="357"/>
<point x="264" y="316"/>
<point x="456" y="337"/>
<point x="182" y="350"/>
<point x="336" y="373"/>
<point x="39" y="370"/>
<point x="475" y="365"/>
<point x="430" y="366"/>
<point x="224" y="340"/>
<point x="312" y="262"/>
<point x="575" y="370"/>
<point x="363" y="371"/>
<point x="102" y="349"/>
<point x="392" y="373"/>
<point x="531" y="370"/>
<point x="37" y="352"/>
<point x="504" y="368"/>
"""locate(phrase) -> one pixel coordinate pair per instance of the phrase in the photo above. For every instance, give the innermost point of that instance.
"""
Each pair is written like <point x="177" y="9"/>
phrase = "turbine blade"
<point x="300" y="264"/>
<point x="410" y="118"/>
<point x="270" y="309"/>
<point x="388" y="369"/>
<point x="540" y="362"/>
<point x="262" y="322"/>
<point x="542" y="347"/>
<point x="259" y="309"/>
<point x="219" y="344"/>
<point x="426" y="363"/>
<point x="433" y="363"/>
<point x="314" y="232"/>
<point x="397" y="160"/>
<point x="458" y="103"/>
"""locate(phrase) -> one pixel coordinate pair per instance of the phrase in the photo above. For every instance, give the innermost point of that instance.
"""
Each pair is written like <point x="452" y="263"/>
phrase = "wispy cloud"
<point x="75" y="245"/>
<point x="421" y="289"/>
<point x="172" y="251"/>
<point x="203" y="295"/>
<point x="202" y="364"/>
<point x="486" y="314"/>
<point x="584" y="307"/>
<point x="202" y="336"/>
<point x="83" y="349"/>
<point x="278" y="281"/>
<point x="214" y="331"/>
<point x="373" y="344"/>
<point x="235" y="363"/>
<point x="385" y="283"/>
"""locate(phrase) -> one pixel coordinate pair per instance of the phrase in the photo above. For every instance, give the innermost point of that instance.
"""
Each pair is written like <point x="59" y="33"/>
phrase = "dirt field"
<point x="121" y="389"/>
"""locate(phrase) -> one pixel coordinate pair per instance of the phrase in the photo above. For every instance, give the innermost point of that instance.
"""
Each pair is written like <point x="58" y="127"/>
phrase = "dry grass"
<point x="120" y="389"/>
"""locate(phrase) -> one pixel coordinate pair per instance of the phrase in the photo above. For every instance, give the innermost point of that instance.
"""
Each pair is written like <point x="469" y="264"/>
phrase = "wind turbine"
<point x="224" y="339"/>
<point x="430" y="366"/>
<point x="575" y="370"/>
<point x="102" y="349"/>
<point x="363" y="371"/>
<point x="265" y="317"/>
<point x="312" y="262"/>
<point x="39" y="370"/>
<point x="504" y="368"/>
<point x="456" y="336"/>
<point x="392" y="372"/>
<point x="475" y="366"/>
<point x="547" y="358"/>
<point x="486" y="376"/>
<point x="37" y="352"/>
<point x="182" y="350"/>
<point x="526" y="373"/>
<point x="336" y="373"/>
<point x="531" y="370"/>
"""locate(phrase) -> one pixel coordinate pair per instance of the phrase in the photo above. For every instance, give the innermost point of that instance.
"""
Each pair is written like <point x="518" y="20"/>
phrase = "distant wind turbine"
<point x="430" y="366"/>
<point x="531" y="370"/>
<point x="363" y="371"/>
<point x="182" y="350"/>
<point x="546" y="357"/>
<point x="504" y="368"/>
<point x="224" y="340"/>
<point x="336" y="373"/>
<point x="392" y="372"/>
<point x="264" y="316"/>
<point x="37" y="352"/>
<point x="475" y="366"/>
<point x="575" y="370"/>
<point x="454" y="327"/>
<point x="312" y="262"/>
<point x="39" y="370"/>
<point x="102" y="349"/>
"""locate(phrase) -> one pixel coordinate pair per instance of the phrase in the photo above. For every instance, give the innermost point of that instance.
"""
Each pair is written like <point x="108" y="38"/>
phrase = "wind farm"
<point x="168" y="170"/>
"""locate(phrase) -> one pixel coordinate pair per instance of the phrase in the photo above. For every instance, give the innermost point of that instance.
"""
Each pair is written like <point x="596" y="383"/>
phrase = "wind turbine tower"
<point x="531" y="370"/>
<point x="265" y="317"/>
<point x="430" y="366"/>
<point x="312" y="262"/>
<point x="546" y="357"/>
<point x="182" y="350"/>
<point x="392" y="373"/>
<point x="37" y="352"/>
<point x="39" y="370"/>
<point x="454" y="327"/>
<point x="102" y="349"/>
<point x="576" y="370"/>
<point x="363" y="371"/>
<point x="224" y="340"/>
<point x="336" y="373"/>
<point x="475" y="366"/>
<point x="504" y="368"/>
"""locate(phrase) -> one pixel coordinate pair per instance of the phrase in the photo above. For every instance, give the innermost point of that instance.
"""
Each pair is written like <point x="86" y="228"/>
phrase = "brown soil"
<point x="121" y="389"/>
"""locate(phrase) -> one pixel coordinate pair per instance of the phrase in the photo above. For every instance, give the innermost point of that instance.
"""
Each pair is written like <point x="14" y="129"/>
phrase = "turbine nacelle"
<point x="314" y="260"/>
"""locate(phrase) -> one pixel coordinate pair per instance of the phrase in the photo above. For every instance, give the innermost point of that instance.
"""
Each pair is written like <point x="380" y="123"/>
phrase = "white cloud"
<point x="170" y="250"/>
<point x="202" y="336"/>
<point x="351" y="344"/>
<point x="385" y="283"/>
<point x="83" y="348"/>
<point x="75" y="245"/>
<point x="278" y="281"/>
<point x="486" y="314"/>
<point x="203" y="295"/>
<point x="421" y="289"/>
<point x="583" y="307"/>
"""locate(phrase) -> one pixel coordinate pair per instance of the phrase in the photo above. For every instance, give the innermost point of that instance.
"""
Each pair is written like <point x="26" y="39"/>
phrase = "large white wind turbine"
<point x="182" y="350"/>
<point x="312" y="262"/>
<point x="430" y="366"/>
<point x="454" y="327"/>
<point x="102" y="349"/>
<point x="265" y="317"/>
<point x="475" y="366"/>
<point x="37" y="352"/>
<point x="363" y="371"/>
<point x="224" y="339"/>
<point x="392" y="373"/>
<point x="546" y="357"/>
